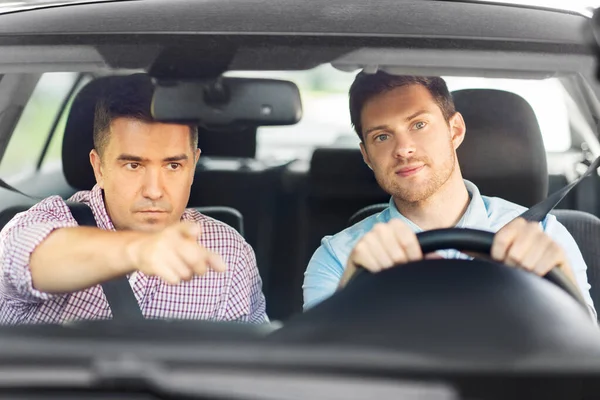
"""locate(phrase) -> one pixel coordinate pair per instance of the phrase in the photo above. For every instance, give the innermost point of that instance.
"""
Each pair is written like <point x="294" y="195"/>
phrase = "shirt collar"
<point x="475" y="216"/>
<point x="99" y="208"/>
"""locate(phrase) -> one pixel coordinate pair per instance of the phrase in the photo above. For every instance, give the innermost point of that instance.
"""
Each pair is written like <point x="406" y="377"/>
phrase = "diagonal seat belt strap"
<point x="12" y="189"/>
<point x="118" y="292"/>
<point x="539" y="211"/>
<point x="122" y="301"/>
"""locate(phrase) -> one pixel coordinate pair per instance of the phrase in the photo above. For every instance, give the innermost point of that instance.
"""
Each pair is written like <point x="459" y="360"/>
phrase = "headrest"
<point x="78" y="137"/>
<point x="341" y="172"/>
<point x="503" y="152"/>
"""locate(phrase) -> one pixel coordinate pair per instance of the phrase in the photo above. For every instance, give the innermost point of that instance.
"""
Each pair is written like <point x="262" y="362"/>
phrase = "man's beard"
<point x="408" y="193"/>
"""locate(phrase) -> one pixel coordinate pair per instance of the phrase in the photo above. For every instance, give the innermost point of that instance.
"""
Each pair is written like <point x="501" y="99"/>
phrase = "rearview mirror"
<point x="228" y="101"/>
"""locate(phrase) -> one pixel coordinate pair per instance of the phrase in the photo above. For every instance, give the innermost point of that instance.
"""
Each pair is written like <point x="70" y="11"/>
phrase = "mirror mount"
<point x="216" y="94"/>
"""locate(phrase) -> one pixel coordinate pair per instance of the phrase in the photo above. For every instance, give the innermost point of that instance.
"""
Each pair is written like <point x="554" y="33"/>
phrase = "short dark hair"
<point x="366" y="86"/>
<point x="130" y="97"/>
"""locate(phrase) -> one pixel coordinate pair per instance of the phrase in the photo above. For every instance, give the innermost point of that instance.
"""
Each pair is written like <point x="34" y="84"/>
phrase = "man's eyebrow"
<point x="376" y="128"/>
<point x="179" y="157"/>
<point x="387" y="128"/>
<point x="415" y="115"/>
<point x="130" y="157"/>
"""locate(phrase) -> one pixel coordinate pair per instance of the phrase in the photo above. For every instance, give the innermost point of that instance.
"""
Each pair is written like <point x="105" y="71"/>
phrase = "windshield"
<point x="189" y="189"/>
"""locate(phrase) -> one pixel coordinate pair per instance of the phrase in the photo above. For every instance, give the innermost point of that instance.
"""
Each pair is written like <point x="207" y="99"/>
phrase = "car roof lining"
<point x="407" y="18"/>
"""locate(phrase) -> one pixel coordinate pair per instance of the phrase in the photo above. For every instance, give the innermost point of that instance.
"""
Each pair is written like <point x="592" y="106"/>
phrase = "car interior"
<point x="526" y="81"/>
<point x="284" y="209"/>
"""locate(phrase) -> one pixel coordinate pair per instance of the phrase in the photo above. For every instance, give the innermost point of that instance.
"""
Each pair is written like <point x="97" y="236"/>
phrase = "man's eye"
<point x="382" y="137"/>
<point x="132" y="166"/>
<point x="420" y="125"/>
<point x="174" y="166"/>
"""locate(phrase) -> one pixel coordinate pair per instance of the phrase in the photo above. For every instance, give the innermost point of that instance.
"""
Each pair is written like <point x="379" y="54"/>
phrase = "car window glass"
<point x="34" y="125"/>
<point x="53" y="157"/>
<point x="326" y="118"/>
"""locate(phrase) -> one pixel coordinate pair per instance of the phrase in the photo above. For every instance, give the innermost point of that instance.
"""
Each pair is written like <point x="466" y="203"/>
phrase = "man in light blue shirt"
<point x="409" y="131"/>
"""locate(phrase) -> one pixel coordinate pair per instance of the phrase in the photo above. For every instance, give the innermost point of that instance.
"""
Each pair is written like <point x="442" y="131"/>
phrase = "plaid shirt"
<point x="233" y="295"/>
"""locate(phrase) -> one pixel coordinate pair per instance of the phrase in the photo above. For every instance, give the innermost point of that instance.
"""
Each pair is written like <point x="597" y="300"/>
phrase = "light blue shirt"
<point x="327" y="265"/>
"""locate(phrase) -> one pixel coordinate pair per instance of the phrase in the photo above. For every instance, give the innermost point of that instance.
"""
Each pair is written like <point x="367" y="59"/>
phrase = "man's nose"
<point x="404" y="146"/>
<point x="153" y="184"/>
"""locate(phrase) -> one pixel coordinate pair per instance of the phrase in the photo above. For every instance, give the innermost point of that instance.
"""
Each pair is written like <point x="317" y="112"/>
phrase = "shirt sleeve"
<point x="19" y="238"/>
<point x="246" y="299"/>
<point x="322" y="275"/>
<point x="561" y="235"/>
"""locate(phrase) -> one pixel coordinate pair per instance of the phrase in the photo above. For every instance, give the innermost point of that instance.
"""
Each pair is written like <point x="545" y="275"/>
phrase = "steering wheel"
<point x="451" y="313"/>
<point x="478" y="241"/>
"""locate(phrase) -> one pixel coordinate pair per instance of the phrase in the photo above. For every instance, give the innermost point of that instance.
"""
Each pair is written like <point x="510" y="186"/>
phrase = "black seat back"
<point x="8" y="213"/>
<point x="585" y="229"/>
<point x="366" y="212"/>
<point x="339" y="183"/>
<point x="503" y="151"/>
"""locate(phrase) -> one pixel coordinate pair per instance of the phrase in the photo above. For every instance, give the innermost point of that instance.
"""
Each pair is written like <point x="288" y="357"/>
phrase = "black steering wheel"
<point x="478" y="241"/>
<point x="470" y="311"/>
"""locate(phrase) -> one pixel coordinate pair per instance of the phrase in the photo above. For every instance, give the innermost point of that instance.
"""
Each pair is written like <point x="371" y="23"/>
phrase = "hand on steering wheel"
<point x="519" y="244"/>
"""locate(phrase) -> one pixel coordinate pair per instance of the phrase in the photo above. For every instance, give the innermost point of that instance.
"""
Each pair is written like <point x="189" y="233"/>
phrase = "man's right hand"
<point x="173" y="254"/>
<point x="386" y="245"/>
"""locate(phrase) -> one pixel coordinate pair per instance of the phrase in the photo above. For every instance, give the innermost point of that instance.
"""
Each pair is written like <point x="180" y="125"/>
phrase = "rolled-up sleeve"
<point x="18" y="240"/>
<point x="561" y="235"/>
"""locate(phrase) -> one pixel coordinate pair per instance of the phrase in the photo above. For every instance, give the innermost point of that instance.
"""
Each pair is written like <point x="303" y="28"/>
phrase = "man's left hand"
<point x="524" y="244"/>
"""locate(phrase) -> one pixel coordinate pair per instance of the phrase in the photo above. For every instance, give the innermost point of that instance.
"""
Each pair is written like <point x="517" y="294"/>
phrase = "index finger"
<point x="215" y="262"/>
<point x="208" y="260"/>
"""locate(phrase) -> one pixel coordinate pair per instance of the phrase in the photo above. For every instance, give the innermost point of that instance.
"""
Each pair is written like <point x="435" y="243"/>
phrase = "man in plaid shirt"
<point x="180" y="263"/>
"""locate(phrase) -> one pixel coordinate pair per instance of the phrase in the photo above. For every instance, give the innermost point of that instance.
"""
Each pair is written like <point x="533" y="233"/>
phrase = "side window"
<point x="53" y="158"/>
<point x="34" y="126"/>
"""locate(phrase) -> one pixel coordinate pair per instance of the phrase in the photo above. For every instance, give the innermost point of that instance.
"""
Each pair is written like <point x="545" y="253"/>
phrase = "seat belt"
<point x="118" y="292"/>
<point x="539" y="211"/>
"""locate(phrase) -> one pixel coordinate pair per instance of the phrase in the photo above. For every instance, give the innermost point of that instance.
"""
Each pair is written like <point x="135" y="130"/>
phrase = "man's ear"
<point x="458" y="129"/>
<point x="365" y="156"/>
<point x="196" y="158"/>
<point x="97" y="166"/>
